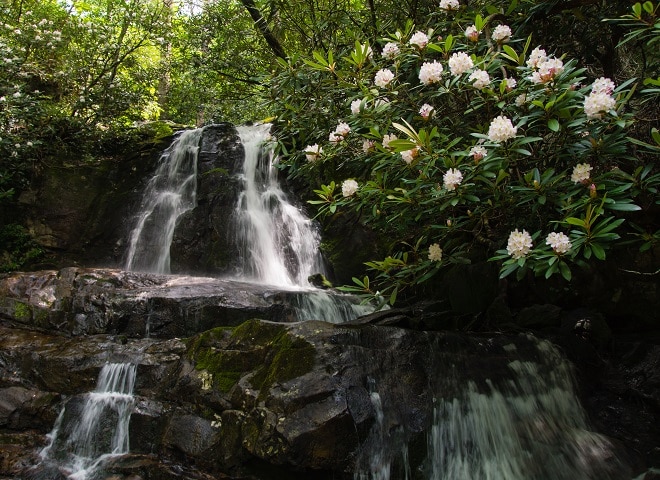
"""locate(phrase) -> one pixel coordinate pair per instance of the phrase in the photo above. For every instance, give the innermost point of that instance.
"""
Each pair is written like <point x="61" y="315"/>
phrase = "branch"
<point x="262" y="26"/>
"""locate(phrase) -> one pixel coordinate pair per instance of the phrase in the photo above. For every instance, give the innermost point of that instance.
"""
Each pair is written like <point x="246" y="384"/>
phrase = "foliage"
<point x="18" y="248"/>
<point x="458" y="182"/>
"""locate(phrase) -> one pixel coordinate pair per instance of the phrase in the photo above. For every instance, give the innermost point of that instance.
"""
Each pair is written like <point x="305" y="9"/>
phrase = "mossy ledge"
<point x="269" y="351"/>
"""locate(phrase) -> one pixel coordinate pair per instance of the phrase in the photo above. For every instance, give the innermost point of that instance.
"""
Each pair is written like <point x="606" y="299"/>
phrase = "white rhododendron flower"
<point x="472" y="33"/>
<point x="343" y="129"/>
<point x="537" y="56"/>
<point x="410" y="155"/>
<point x="312" y="152"/>
<point x="521" y="100"/>
<point x="603" y="85"/>
<point x="334" y="137"/>
<point x="581" y="172"/>
<point x="547" y="70"/>
<point x="349" y="187"/>
<point x="501" y="129"/>
<point x="419" y="39"/>
<point x="510" y="83"/>
<point x="559" y="242"/>
<point x="519" y="244"/>
<point x="435" y="252"/>
<point x="431" y="72"/>
<point x="383" y="78"/>
<point x="449" y="4"/>
<point x="356" y="106"/>
<point x="480" y="77"/>
<point x="425" y="111"/>
<point x="478" y="152"/>
<point x="368" y="145"/>
<point x="390" y="50"/>
<point x="460" y="62"/>
<point x="387" y="138"/>
<point x="452" y="179"/>
<point x="501" y="33"/>
<point x="595" y="104"/>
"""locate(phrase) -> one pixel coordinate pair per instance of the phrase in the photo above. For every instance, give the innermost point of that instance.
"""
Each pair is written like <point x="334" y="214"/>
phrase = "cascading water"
<point x="526" y="425"/>
<point x="279" y="244"/>
<point x="170" y="193"/>
<point x="80" y="442"/>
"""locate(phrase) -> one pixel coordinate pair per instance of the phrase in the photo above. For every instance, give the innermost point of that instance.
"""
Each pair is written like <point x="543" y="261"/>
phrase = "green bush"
<point x="501" y="146"/>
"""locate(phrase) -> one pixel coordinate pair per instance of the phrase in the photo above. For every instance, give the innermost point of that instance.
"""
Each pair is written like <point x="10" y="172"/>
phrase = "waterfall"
<point x="169" y="194"/>
<point x="527" y="424"/>
<point x="82" y="440"/>
<point x="279" y="244"/>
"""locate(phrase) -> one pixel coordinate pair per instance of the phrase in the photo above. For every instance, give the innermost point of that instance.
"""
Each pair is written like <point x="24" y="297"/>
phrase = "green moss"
<point x="22" y="311"/>
<point x="267" y="349"/>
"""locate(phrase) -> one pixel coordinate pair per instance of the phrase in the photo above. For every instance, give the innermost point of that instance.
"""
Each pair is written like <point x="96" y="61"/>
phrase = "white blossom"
<point x="519" y="244"/>
<point x="409" y="155"/>
<point x="595" y="104"/>
<point x="547" y="70"/>
<point x="430" y="72"/>
<point x="501" y="129"/>
<point x="501" y="33"/>
<point x="356" y="106"/>
<point x="312" y="152"/>
<point x="449" y="4"/>
<point x="349" y="187"/>
<point x="390" y="50"/>
<point x="460" y="62"/>
<point x="536" y="57"/>
<point x="383" y="77"/>
<point x="478" y="152"/>
<point x="435" y="252"/>
<point x="419" y="39"/>
<point x="387" y="138"/>
<point x="581" y="172"/>
<point x="480" y="77"/>
<point x="425" y="111"/>
<point x="521" y="100"/>
<point x="452" y="179"/>
<point x="603" y="85"/>
<point x="368" y="145"/>
<point x="559" y="242"/>
<point x="472" y="33"/>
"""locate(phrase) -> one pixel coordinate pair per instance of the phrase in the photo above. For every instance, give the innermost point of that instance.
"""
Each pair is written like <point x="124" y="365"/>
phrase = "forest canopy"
<point x="521" y="132"/>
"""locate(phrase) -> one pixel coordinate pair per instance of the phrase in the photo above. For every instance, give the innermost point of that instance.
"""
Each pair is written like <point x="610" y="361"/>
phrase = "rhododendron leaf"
<point x="553" y="124"/>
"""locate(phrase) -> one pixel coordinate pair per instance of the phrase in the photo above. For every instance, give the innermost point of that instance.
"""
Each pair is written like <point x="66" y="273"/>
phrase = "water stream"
<point x="97" y="428"/>
<point x="527" y="424"/>
<point x="170" y="193"/>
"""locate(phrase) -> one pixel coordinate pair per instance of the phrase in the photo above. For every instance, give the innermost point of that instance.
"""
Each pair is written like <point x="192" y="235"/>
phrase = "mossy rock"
<point x="268" y="351"/>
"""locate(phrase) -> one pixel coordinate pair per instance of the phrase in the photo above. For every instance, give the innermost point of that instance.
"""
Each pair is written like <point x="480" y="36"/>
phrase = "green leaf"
<point x="575" y="221"/>
<point x="565" y="271"/>
<point x="553" y="124"/>
<point x="599" y="252"/>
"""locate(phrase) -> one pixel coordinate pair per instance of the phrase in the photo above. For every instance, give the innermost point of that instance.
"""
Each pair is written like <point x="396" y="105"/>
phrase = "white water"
<point x="101" y="428"/>
<point x="170" y="193"/>
<point x="279" y="244"/>
<point x="530" y="427"/>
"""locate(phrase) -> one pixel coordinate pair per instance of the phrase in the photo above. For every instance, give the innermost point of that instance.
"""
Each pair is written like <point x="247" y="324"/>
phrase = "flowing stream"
<point x="96" y="429"/>
<point x="527" y="425"/>
<point x="169" y="194"/>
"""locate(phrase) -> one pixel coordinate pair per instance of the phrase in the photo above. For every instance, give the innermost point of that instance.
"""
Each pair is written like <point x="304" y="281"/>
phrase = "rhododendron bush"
<point x="460" y="141"/>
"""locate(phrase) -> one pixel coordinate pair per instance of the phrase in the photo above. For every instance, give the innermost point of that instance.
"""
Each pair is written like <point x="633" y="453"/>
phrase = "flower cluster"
<point x="501" y="33"/>
<point x="581" y="173"/>
<point x="452" y="179"/>
<point x="410" y="155"/>
<point x="449" y="5"/>
<point x="313" y="152"/>
<point x="600" y="100"/>
<point x="435" y="253"/>
<point x="349" y="187"/>
<point x="501" y="129"/>
<point x="431" y="72"/>
<point x="425" y="111"/>
<point x="519" y="244"/>
<point x="459" y="63"/>
<point x="383" y="77"/>
<point x="480" y="78"/>
<point x="559" y="242"/>
<point x="545" y="68"/>
<point x="339" y="133"/>
<point x="419" y="40"/>
<point x="390" y="50"/>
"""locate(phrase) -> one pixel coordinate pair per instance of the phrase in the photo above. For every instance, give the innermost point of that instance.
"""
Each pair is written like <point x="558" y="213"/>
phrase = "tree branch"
<point x="262" y="26"/>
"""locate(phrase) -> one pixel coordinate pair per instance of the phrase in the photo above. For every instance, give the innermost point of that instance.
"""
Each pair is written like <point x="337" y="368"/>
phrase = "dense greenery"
<point x="570" y="166"/>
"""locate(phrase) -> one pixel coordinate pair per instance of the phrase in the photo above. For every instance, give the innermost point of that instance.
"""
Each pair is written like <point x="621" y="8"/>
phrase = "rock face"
<point x="225" y="388"/>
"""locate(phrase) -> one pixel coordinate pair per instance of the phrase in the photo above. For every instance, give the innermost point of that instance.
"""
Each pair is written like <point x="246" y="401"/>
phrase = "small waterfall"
<point x="169" y="194"/>
<point x="527" y="426"/>
<point x="82" y="440"/>
<point x="280" y="245"/>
